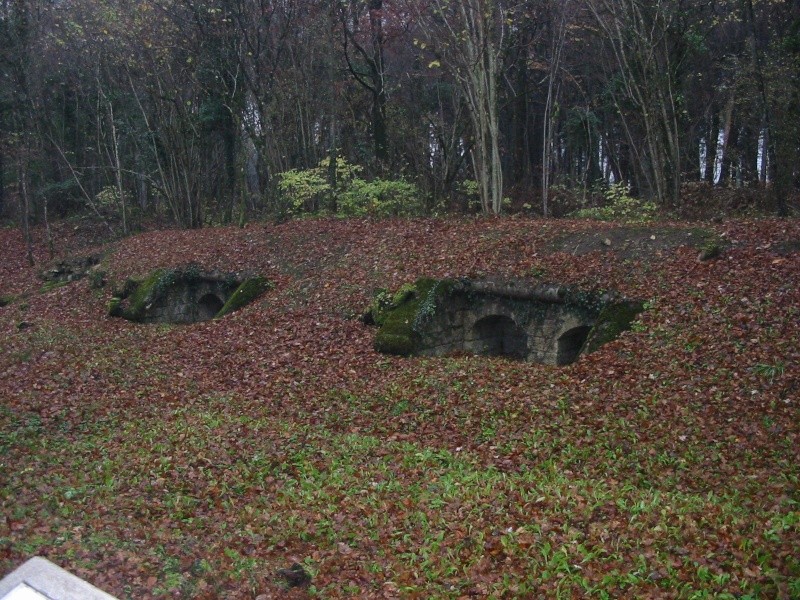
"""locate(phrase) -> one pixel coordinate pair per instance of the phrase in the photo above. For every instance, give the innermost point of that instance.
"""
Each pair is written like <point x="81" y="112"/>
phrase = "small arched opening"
<point x="570" y="344"/>
<point x="208" y="306"/>
<point x="498" y="335"/>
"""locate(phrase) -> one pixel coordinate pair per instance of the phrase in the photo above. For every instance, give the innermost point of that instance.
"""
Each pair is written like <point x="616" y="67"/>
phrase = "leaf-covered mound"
<point x="203" y="461"/>
<point x="637" y="241"/>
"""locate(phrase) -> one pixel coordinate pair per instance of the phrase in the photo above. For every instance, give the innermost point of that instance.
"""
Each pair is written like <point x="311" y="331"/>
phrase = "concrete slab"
<point x="24" y="592"/>
<point x="39" y="579"/>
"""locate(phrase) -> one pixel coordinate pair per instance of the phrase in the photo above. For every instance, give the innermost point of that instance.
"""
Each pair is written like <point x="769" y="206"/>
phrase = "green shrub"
<point x="712" y="248"/>
<point x="620" y="206"/>
<point x="380" y="197"/>
<point x="108" y="199"/>
<point x="469" y="190"/>
<point x="306" y="191"/>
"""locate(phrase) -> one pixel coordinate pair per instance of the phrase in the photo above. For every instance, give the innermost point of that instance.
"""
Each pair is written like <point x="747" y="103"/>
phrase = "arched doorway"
<point x="570" y="344"/>
<point x="498" y="335"/>
<point x="208" y="306"/>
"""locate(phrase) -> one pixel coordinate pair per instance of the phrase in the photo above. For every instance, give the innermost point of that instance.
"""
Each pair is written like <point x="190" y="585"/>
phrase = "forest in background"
<point x="196" y="112"/>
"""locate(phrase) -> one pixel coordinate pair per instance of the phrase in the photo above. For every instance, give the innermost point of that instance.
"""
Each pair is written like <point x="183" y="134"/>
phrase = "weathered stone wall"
<point x="482" y="322"/>
<point x="188" y="302"/>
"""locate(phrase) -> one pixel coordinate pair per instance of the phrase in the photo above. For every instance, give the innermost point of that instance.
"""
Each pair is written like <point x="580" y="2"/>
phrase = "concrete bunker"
<point x="548" y="324"/>
<point x="187" y="295"/>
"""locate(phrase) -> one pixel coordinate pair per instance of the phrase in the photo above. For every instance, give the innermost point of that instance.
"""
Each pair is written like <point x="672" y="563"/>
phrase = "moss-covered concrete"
<point x="384" y="302"/>
<point x="137" y="296"/>
<point x="249" y="290"/>
<point x="399" y="321"/>
<point x="614" y="318"/>
<point x="71" y="269"/>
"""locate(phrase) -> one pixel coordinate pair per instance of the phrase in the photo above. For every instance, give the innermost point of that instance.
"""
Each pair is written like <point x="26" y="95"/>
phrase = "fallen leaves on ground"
<point x="204" y="461"/>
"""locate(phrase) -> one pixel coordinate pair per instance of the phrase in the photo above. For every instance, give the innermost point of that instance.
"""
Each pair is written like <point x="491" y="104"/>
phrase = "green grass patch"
<point x="436" y="521"/>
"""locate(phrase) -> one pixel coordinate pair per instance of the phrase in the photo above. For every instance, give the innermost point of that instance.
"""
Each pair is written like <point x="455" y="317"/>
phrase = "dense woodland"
<point x="211" y="111"/>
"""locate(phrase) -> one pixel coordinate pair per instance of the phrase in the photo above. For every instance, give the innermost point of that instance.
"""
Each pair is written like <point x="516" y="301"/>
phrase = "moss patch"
<point x="115" y="306"/>
<point x="384" y="303"/>
<point x="249" y="290"/>
<point x="139" y="295"/>
<point x="400" y="318"/>
<point x="6" y="300"/>
<point x="52" y="285"/>
<point x="614" y="318"/>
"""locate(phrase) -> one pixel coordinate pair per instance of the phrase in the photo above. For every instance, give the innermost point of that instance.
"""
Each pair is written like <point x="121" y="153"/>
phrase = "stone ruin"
<point x="71" y="269"/>
<point x="547" y="324"/>
<point x="182" y="296"/>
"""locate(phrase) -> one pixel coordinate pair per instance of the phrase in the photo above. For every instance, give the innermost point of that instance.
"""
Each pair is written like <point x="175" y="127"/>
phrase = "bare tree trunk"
<point x="778" y="179"/>
<point x="51" y="251"/>
<point x="711" y="137"/>
<point x="520" y="119"/>
<point x="637" y="36"/>
<point x="141" y="179"/>
<point x="728" y="140"/>
<point x="548" y="126"/>
<point x="25" y="204"/>
<point x="374" y="81"/>
<point x="473" y="31"/>
<point x="116" y="163"/>
<point x="332" y="158"/>
<point x="480" y="87"/>
<point x="251" y="162"/>
<point x="747" y="152"/>
<point x="379" y="128"/>
<point x="2" y="183"/>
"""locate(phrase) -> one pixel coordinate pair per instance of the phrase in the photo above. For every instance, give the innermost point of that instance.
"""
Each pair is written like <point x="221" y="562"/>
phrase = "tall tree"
<point x="466" y="37"/>
<point x="558" y="33"/>
<point x="17" y="27"/>
<point x="362" y="25"/>
<point x="778" y="110"/>
<point x="641" y="39"/>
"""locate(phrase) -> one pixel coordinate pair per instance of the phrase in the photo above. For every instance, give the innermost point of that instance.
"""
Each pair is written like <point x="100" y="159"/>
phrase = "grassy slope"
<point x="197" y="461"/>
